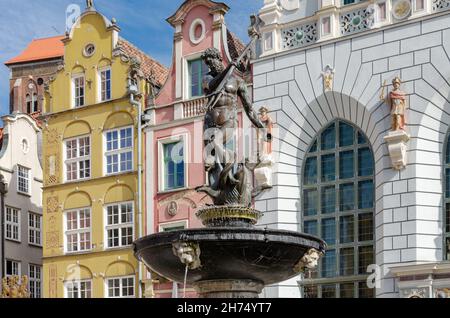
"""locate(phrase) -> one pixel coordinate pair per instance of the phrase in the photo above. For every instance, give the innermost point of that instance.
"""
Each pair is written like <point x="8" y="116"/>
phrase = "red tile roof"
<point x="40" y="49"/>
<point x="235" y="45"/>
<point x="150" y="67"/>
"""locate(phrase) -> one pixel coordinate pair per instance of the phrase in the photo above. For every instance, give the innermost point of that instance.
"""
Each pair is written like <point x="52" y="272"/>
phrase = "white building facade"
<point x="325" y="72"/>
<point x="20" y="165"/>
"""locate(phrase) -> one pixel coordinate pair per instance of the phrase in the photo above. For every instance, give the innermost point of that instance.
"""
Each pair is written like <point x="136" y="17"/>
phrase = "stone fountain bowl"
<point x="262" y="256"/>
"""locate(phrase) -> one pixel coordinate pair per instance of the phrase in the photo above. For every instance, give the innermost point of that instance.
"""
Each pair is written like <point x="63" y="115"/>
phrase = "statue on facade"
<point x="230" y="182"/>
<point x="12" y="287"/>
<point x="397" y="101"/>
<point x="266" y="143"/>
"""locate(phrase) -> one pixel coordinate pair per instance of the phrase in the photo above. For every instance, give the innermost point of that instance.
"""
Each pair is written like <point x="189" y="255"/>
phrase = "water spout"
<point x="185" y="280"/>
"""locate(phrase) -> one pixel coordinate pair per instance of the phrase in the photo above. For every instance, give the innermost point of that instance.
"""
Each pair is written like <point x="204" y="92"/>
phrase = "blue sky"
<point x="143" y="22"/>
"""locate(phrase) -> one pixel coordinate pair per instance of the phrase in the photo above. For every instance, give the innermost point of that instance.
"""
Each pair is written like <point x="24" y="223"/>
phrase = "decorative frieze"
<point x="299" y="36"/>
<point x="357" y="21"/>
<point x="440" y="5"/>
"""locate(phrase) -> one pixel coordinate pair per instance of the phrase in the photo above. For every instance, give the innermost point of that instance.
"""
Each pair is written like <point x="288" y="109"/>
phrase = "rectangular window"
<point x="311" y="171"/>
<point x="365" y="227"/>
<point x="105" y="85"/>
<point x="365" y="161"/>
<point x="347" y="261"/>
<point x="365" y="194"/>
<point x="119" y="225"/>
<point x="34" y="273"/>
<point x="119" y="150"/>
<point x="328" y="199"/>
<point x="12" y="268"/>
<point x="78" y="289"/>
<point x="78" y="158"/>
<point x="23" y="180"/>
<point x="310" y="198"/>
<point x="365" y="258"/>
<point x="78" y="89"/>
<point x="347" y="197"/>
<point x="197" y="71"/>
<point x="34" y="229"/>
<point x="328" y="168"/>
<point x="346" y="227"/>
<point x="12" y="224"/>
<point x="347" y="290"/>
<point x="174" y="166"/>
<point x="346" y="165"/>
<point x="78" y="231"/>
<point x="310" y="227"/>
<point x="329" y="231"/>
<point x="122" y="287"/>
<point x="329" y="264"/>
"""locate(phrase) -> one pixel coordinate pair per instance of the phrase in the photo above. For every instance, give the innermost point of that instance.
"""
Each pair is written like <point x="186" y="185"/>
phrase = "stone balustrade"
<point x="290" y="24"/>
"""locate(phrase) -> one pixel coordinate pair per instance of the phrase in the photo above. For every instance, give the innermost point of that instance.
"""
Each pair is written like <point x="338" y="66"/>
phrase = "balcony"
<point x="194" y="107"/>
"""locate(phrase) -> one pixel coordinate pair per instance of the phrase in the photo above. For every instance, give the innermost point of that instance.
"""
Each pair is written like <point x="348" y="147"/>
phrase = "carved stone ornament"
<point x="188" y="253"/>
<point x="172" y="208"/>
<point x="309" y="261"/>
<point x="328" y="77"/>
<point x="401" y="9"/>
<point x="415" y="293"/>
<point x="397" y="145"/>
<point x="14" y="287"/>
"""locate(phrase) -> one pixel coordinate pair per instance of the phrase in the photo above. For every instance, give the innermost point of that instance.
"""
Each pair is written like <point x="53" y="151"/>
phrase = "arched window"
<point x="338" y="206"/>
<point x="29" y="103"/>
<point x="447" y="200"/>
<point x="35" y="103"/>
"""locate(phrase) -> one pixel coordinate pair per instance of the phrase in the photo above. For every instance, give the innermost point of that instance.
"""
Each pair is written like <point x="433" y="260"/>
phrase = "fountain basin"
<point x="259" y="256"/>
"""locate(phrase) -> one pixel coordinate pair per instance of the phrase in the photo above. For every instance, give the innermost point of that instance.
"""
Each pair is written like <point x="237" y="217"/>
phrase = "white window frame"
<point x="74" y="88"/>
<point x="19" y="268"/>
<point x="37" y="230"/>
<point x="120" y="278"/>
<point x="77" y="159"/>
<point x="118" y="151"/>
<point x="13" y="224"/>
<point x="78" y="231"/>
<point x="26" y="179"/>
<point x="186" y="76"/>
<point x="169" y="140"/>
<point x="163" y="227"/>
<point x="78" y="284"/>
<point x="100" y="82"/>
<point x="119" y="226"/>
<point x="35" y="281"/>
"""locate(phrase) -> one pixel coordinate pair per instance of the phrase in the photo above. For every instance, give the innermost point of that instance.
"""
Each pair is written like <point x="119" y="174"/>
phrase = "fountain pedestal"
<point x="229" y="288"/>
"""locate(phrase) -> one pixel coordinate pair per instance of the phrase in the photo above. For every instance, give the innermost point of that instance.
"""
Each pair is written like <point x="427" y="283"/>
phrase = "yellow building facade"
<point x="92" y="210"/>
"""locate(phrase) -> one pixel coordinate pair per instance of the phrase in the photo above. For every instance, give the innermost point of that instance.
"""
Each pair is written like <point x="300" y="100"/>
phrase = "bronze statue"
<point x="397" y="102"/>
<point x="230" y="182"/>
<point x="89" y="4"/>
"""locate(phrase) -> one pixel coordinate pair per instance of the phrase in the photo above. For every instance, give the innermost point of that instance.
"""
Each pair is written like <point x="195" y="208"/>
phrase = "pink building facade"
<point x="174" y="135"/>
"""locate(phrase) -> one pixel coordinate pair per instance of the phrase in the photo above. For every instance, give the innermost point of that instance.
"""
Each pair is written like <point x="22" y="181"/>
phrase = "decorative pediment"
<point x="188" y="5"/>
